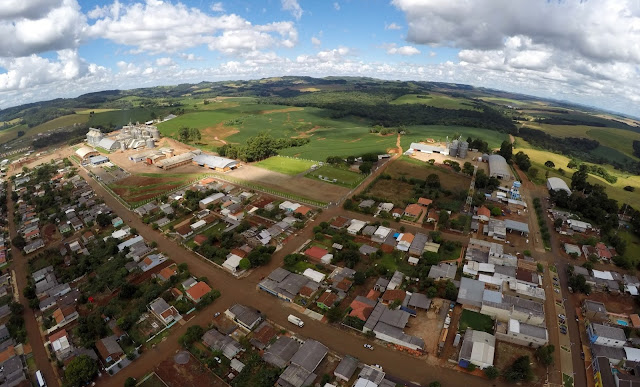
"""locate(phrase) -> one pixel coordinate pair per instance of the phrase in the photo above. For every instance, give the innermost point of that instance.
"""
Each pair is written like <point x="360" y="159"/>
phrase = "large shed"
<point x="557" y="184"/>
<point x="85" y="152"/>
<point x="499" y="168"/>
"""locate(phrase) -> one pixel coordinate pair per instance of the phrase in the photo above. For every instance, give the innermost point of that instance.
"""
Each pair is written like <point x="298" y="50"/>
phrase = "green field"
<point x="123" y="117"/>
<point x="439" y="133"/>
<point x="64" y="121"/>
<point x="505" y="101"/>
<point x="475" y="321"/>
<point x="344" y="176"/>
<point x="436" y="100"/>
<point x="286" y="165"/>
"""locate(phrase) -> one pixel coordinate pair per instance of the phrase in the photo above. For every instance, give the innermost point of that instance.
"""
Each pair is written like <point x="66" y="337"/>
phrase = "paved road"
<point x="21" y="269"/>
<point x="244" y="291"/>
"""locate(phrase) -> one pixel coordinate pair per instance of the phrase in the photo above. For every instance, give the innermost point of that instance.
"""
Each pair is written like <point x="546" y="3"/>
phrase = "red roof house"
<point x="199" y="239"/>
<point x="393" y="295"/>
<point x="425" y="202"/>
<point x="197" y="291"/>
<point x="413" y="210"/>
<point x="316" y="253"/>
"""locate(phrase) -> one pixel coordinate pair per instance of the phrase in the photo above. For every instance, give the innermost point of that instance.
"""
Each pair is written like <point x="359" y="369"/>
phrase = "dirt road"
<point x="244" y="291"/>
<point x="21" y="269"/>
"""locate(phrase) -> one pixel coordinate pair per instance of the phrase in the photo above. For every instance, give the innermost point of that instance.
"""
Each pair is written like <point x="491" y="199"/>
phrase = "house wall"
<point x="520" y="339"/>
<point x="393" y="340"/>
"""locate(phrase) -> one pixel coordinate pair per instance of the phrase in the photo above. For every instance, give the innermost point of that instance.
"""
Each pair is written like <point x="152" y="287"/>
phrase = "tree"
<point x="523" y="161"/>
<point x="365" y="167"/>
<point x="359" y="278"/>
<point x="549" y="164"/>
<point x="130" y="382"/>
<point x="432" y="292"/>
<point x="579" y="179"/>
<point x="80" y="371"/>
<point x="468" y="168"/>
<point x="540" y="268"/>
<point x="520" y="370"/>
<point x="103" y="220"/>
<point x="450" y="291"/>
<point x="433" y="181"/>
<point x="544" y="354"/>
<point x="533" y="172"/>
<point x="435" y="384"/>
<point x="194" y="333"/>
<point x="244" y="264"/>
<point x="19" y="242"/>
<point x="496" y="211"/>
<point x="334" y="314"/>
<point x="491" y="372"/>
<point x="506" y="150"/>
<point x="572" y="164"/>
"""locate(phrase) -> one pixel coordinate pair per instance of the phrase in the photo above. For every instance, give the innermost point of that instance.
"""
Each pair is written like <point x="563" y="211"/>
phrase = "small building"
<point x="355" y="226"/>
<point x="425" y="202"/>
<point x="443" y="271"/>
<point x="314" y="275"/>
<point x="197" y="291"/>
<point x="484" y="214"/>
<point x="346" y="368"/>
<point x="164" y="312"/>
<point x="478" y="348"/>
<point x="97" y="160"/>
<point x="594" y="311"/>
<point x="223" y="343"/>
<point x="606" y="335"/>
<point x="572" y="249"/>
<point x="327" y="300"/>
<point x="247" y="317"/>
<point x="522" y="334"/>
<point x="232" y="263"/>
<point x="498" y="167"/>
<point x="281" y="351"/>
<point x="315" y="253"/>
<point x="368" y="203"/>
<point x="109" y="349"/>
<point x="310" y="355"/>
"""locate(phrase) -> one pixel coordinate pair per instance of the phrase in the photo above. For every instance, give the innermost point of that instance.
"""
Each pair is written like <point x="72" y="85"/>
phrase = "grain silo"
<point x="150" y="143"/>
<point x="453" y="148"/>
<point x="463" y="149"/>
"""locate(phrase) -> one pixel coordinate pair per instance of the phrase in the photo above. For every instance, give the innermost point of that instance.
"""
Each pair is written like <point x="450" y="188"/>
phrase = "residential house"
<point x="346" y="368"/>
<point x="61" y="345"/>
<point x="594" y="311"/>
<point x="443" y="271"/>
<point x="109" y="349"/>
<point x="64" y="316"/>
<point x="163" y="311"/>
<point x="247" y="317"/>
<point x="197" y="291"/>
<point x="220" y="342"/>
<point x="606" y="335"/>
<point x="281" y="351"/>
<point x="522" y="334"/>
<point x="478" y="348"/>
<point x="412" y="210"/>
<point x="483" y="214"/>
<point x="424" y="202"/>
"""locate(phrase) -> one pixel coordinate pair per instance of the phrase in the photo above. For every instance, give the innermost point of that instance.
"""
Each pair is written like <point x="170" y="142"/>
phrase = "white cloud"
<point x="166" y="61"/>
<point x="392" y="26"/>
<point x="189" y="57"/>
<point x="393" y="49"/>
<point x="336" y="6"/>
<point x="217" y="7"/>
<point x="159" y="27"/>
<point x="315" y="41"/>
<point x="40" y="26"/>
<point x="432" y="54"/>
<point x="293" y="7"/>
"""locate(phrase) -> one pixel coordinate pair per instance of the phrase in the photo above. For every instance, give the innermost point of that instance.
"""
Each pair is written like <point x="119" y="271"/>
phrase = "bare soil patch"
<point x="297" y="185"/>
<point x="392" y="190"/>
<point x="186" y="375"/>
<point x="507" y="353"/>
<point x="286" y="110"/>
<point x="217" y="133"/>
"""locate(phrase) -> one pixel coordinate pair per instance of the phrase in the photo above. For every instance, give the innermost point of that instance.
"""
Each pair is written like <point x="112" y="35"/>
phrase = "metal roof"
<point x="556" y="183"/>
<point x="498" y="166"/>
<point x="214" y="161"/>
<point x="310" y="355"/>
<point x="516" y="226"/>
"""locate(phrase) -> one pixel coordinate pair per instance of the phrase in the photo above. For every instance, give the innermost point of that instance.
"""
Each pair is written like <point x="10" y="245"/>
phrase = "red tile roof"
<point x="198" y="290"/>
<point x="7" y="354"/>
<point x="344" y="285"/>
<point x="265" y="334"/>
<point x="302" y="210"/>
<point x="328" y="299"/>
<point x="393" y="295"/>
<point x="57" y="335"/>
<point x="413" y="209"/>
<point x="424" y="201"/>
<point x="315" y="252"/>
<point x="484" y="211"/>
<point x="373" y="295"/>
<point x="360" y="310"/>
<point x="339" y="222"/>
<point x="305" y="291"/>
<point x="167" y="272"/>
<point x="603" y="251"/>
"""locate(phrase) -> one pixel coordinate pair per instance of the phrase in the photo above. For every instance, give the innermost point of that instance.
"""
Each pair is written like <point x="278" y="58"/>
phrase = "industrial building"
<point x="130" y="137"/>
<point x="499" y="168"/>
<point x="85" y="152"/>
<point x="217" y="163"/>
<point x="424" y="148"/>
<point x="458" y="148"/>
<point x="557" y="184"/>
<point x="177" y="161"/>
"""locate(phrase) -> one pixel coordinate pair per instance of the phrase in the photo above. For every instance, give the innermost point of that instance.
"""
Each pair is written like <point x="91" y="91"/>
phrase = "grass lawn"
<point x="413" y="168"/>
<point x="344" y="176"/>
<point x="435" y="100"/>
<point x="633" y="246"/>
<point x="301" y="266"/>
<point x="286" y="165"/>
<point x="476" y="321"/>
<point x="567" y="381"/>
<point x="392" y="264"/>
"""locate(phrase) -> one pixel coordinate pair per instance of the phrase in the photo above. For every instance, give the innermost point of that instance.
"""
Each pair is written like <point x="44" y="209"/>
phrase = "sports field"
<point x="343" y="176"/>
<point x="286" y="165"/>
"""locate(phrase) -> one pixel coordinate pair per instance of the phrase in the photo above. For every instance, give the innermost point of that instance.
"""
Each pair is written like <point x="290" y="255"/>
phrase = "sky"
<point x="583" y="51"/>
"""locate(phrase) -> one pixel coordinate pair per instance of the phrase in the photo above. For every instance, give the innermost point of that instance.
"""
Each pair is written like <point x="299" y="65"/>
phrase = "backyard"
<point x="475" y="321"/>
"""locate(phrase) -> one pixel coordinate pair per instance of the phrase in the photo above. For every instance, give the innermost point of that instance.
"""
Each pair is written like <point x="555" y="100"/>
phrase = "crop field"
<point x="439" y="133"/>
<point x="615" y="191"/>
<point x="64" y="121"/>
<point x="95" y="111"/>
<point x="286" y="165"/>
<point x="137" y="188"/>
<point x="618" y="139"/>
<point x="392" y="190"/>
<point x="344" y="176"/>
<point x="435" y="100"/>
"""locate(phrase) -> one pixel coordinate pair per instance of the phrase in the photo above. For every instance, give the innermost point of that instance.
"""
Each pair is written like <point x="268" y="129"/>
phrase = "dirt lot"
<point x="297" y="185"/>
<point x="392" y="190"/>
<point x="450" y="180"/>
<point x="121" y="159"/>
<point x="186" y="375"/>
<point x="507" y="353"/>
<point x="621" y="303"/>
<point x="137" y="188"/>
<point x="428" y="326"/>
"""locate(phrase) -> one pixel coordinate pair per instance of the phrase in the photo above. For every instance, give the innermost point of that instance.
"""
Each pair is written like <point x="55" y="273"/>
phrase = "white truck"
<point x="295" y="320"/>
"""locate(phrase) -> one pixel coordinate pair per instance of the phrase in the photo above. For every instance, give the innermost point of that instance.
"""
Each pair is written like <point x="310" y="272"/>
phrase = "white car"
<point x="369" y="347"/>
<point x="562" y="316"/>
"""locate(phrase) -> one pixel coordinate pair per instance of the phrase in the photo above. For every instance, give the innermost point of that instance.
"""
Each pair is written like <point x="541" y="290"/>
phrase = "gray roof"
<point x="533" y="331"/>
<point x="216" y="340"/>
<point x="367" y="250"/>
<point x="595" y="306"/>
<point x="580" y="270"/>
<point x="506" y="270"/>
<point x="516" y="226"/>
<point x="397" y="318"/>
<point x="492" y="296"/>
<point x="111" y="344"/>
<point x="398" y="334"/>
<point x="443" y="270"/>
<point x="159" y="306"/>
<point x="245" y="315"/>
<point x="310" y="355"/>
<point x="470" y="291"/>
<point x="382" y="282"/>
<point x="608" y="352"/>
<point x="366" y="203"/>
<point x="417" y="245"/>
<point x="556" y="183"/>
<point x="609" y="332"/>
<point x="498" y="166"/>
<point x="369" y="230"/>
<point x="419" y="300"/>
<point x="279" y="274"/>
<point x="281" y="351"/>
<point x="371" y="373"/>
<point x="470" y="337"/>
<point x="347" y="367"/>
<point x="295" y="376"/>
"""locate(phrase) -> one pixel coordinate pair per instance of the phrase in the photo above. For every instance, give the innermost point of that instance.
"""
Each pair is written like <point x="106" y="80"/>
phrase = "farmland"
<point x="439" y="133"/>
<point x="286" y="165"/>
<point x="64" y="121"/>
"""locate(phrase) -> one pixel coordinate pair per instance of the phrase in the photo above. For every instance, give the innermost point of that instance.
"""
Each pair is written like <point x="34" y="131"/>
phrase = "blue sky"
<point x="584" y="52"/>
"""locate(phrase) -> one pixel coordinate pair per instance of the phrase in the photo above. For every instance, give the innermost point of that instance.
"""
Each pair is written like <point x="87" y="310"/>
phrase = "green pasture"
<point x="286" y="165"/>
<point x="506" y="101"/>
<point x="123" y="117"/>
<point x="436" y="100"/>
<point x="344" y="176"/>
<point x="64" y="121"/>
<point x="419" y="133"/>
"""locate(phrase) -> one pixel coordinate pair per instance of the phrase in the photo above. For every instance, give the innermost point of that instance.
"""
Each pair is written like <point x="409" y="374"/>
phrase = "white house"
<point x="232" y="263"/>
<point x="355" y="226"/>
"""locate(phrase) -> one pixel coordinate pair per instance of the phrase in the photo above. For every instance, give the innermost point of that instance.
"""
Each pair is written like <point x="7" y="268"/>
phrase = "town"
<point x="139" y="260"/>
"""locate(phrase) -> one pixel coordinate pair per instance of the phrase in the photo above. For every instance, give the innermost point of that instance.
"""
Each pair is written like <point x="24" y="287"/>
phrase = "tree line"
<point x="259" y="147"/>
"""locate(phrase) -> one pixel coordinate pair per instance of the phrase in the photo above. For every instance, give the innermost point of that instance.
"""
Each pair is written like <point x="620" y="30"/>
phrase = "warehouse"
<point x="175" y="161"/>
<point x="221" y="164"/>
<point x="499" y="168"/>
<point x="557" y="184"/>
<point x="109" y="144"/>
<point x="85" y="152"/>
<point x="417" y="147"/>
<point x="97" y="160"/>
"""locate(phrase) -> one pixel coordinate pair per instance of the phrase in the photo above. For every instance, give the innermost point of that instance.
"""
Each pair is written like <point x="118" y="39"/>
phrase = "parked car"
<point x="369" y="347"/>
<point x="216" y="314"/>
<point x="562" y="316"/>
<point x="582" y="355"/>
